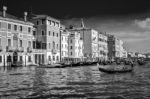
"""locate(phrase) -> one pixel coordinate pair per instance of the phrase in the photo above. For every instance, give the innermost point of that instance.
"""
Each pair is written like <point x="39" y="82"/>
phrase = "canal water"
<point x="73" y="83"/>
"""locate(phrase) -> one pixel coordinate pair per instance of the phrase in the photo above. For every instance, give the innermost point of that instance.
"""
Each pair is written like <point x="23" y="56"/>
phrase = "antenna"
<point x="82" y="23"/>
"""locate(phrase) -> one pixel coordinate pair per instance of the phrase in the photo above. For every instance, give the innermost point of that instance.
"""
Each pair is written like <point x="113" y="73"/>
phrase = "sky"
<point x="128" y="20"/>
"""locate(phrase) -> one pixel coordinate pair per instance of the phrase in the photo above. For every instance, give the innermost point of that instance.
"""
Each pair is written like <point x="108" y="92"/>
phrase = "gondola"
<point x="111" y="71"/>
<point x="115" y="71"/>
<point x="141" y="62"/>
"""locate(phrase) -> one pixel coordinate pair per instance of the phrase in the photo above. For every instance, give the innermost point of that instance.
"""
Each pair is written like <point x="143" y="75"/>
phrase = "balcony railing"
<point x="21" y="49"/>
<point x="54" y="51"/>
<point x="1" y="48"/>
<point x="29" y="49"/>
<point x="9" y="49"/>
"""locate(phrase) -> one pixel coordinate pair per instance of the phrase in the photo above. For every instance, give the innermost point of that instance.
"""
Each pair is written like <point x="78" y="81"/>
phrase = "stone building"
<point x="15" y="39"/>
<point x="48" y="37"/>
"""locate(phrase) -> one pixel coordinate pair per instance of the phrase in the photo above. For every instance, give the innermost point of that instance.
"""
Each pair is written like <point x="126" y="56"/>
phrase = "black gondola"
<point x="115" y="71"/>
<point x="121" y="70"/>
<point x="141" y="62"/>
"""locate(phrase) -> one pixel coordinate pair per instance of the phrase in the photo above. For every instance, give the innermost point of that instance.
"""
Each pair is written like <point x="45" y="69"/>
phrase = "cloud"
<point x="145" y="24"/>
<point x="135" y="33"/>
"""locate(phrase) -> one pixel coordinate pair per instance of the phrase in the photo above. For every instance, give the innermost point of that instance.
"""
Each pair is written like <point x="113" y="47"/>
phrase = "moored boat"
<point x="141" y="62"/>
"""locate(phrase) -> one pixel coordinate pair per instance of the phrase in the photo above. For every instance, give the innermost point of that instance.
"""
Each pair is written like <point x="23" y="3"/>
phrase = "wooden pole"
<point x="4" y="60"/>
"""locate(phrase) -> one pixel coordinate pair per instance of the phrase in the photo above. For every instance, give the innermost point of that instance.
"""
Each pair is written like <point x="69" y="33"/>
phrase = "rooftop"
<point x="44" y="16"/>
<point x="10" y="17"/>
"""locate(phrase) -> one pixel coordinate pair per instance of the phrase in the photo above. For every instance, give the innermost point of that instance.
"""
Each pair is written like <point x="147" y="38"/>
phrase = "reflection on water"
<point x="79" y="83"/>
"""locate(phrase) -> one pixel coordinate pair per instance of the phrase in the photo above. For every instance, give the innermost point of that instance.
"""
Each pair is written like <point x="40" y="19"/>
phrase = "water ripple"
<point x="77" y="83"/>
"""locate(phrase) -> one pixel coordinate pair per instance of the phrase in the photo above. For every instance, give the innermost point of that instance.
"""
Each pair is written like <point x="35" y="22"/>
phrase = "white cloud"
<point x="134" y="33"/>
<point x="145" y="24"/>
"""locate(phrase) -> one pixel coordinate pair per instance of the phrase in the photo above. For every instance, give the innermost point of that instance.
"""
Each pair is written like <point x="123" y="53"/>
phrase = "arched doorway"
<point x="15" y="57"/>
<point x="9" y="61"/>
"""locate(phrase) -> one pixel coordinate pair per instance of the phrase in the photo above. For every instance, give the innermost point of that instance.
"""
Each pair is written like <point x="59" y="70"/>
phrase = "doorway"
<point x="15" y="57"/>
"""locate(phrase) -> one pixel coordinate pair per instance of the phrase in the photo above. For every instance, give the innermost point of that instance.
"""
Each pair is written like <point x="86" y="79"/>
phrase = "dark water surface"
<point x="73" y="83"/>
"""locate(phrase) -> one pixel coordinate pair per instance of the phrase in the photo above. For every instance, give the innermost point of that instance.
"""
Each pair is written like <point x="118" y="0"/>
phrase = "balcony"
<point x="54" y="51"/>
<point x="9" y="49"/>
<point x="29" y="49"/>
<point x="21" y="49"/>
<point x="1" y="48"/>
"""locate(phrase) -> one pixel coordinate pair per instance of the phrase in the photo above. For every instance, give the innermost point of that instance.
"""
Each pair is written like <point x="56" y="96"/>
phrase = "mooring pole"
<point x="4" y="60"/>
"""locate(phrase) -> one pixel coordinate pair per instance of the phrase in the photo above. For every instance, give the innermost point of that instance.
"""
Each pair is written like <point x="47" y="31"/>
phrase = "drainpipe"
<point x="60" y="46"/>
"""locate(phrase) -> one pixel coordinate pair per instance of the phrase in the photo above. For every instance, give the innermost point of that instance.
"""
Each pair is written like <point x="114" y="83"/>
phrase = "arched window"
<point x="53" y="45"/>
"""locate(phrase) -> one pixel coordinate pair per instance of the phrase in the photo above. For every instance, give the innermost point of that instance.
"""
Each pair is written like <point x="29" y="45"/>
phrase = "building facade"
<point x="15" y="39"/>
<point x="64" y="44"/>
<point x="90" y="42"/>
<point x="102" y="46"/>
<point x="115" y="48"/>
<point x="75" y="46"/>
<point x="48" y="36"/>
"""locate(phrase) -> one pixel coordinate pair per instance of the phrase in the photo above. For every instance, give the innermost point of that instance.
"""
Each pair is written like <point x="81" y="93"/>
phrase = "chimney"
<point x="4" y="11"/>
<point x="25" y="16"/>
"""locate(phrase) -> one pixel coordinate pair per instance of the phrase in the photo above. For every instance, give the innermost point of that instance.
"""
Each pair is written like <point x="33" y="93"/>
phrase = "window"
<point x="49" y="33"/>
<point x="57" y="58"/>
<point x="0" y="59"/>
<point x="62" y="38"/>
<point x="21" y="58"/>
<point x="70" y="41"/>
<point x="34" y="44"/>
<point x="29" y="43"/>
<point x="71" y="47"/>
<point x="53" y="33"/>
<point x="57" y="34"/>
<point x="57" y="46"/>
<point x="65" y="46"/>
<point x="53" y="45"/>
<point x="29" y="59"/>
<point x="57" y="24"/>
<point x="70" y="53"/>
<point x="49" y="58"/>
<point x="37" y="22"/>
<point x="53" y="23"/>
<point x="29" y="29"/>
<point x="49" y="45"/>
<point x="34" y="33"/>
<point x="21" y="28"/>
<point x="43" y="21"/>
<point x="9" y="26"/>
<point x="49" y="22"/>
<point x="43" y="33"/>
<point x="43" y="45"/>
<point x="9" y="42"/>
<point x="20" y="43"/>
<point x="15" y="27"/>
<point x="66" y="39"/>
<point x="53" y="58"/>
